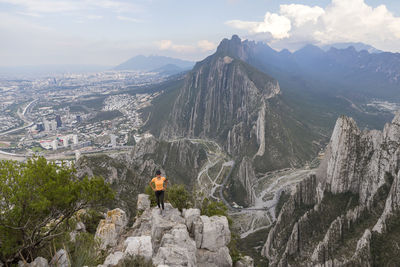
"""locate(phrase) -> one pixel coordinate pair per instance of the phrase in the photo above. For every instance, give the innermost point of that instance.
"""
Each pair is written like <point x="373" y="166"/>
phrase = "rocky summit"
<point x="347" y="214"/>
<point x="172" y="239"/>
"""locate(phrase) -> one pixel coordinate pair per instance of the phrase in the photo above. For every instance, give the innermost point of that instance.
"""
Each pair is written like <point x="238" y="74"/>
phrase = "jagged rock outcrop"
<point x="110" y="228"/>
<point x="175" y="239"/>
<point x="143" y="202"/>
<point x="336" y="217"/>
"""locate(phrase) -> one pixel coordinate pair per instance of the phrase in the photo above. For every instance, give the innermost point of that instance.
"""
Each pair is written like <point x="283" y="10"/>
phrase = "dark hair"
<point x="158" y="172"/>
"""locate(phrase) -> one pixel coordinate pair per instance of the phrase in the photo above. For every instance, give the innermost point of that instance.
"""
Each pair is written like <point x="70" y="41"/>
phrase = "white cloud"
<point x="202" y="46"/>
<point x="94" y="17"/>
<point x="49" y="6"/>
<point x="340" y="21"/>
<point x="278" y="26"/>
<point x="206" y="45"/>
<point x="301" y="14"/>
<point x="169" y="45"/>
<point x="128" y="19"/>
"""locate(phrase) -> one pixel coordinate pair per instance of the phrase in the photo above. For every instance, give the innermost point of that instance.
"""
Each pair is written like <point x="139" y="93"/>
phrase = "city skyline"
<point x="109" y="32"/>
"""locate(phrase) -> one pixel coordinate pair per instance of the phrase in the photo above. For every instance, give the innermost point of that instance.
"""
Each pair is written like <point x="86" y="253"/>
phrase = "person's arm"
<point x="165" y="184"/>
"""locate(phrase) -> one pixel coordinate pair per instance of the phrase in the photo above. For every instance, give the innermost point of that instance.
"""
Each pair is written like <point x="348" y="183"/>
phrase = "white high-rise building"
<point x="113" y="140"/>
<point x="75" y="139"/>
<point x="65" y="141"/>
<point x="54" y="144"/>
<point x="46" y="124"/>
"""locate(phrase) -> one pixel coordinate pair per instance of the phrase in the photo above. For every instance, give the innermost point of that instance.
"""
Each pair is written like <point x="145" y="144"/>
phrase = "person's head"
<point x="158" y="173"/>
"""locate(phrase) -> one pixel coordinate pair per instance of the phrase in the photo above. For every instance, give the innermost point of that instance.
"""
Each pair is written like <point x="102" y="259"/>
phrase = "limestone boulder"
<point x="113" y="259"/>
<point x="143" y="202"/>
<point x="190" y="216"/>
<point x="177" y="248"/>
<point x="219" y="258"/>
<point x="211" y="233"/>
<point x="139" y="246"/>
<point x="111" y="227"/>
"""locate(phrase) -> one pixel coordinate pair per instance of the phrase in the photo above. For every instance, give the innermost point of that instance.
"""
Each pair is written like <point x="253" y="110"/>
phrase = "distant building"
<point x="58" y="121"/>
<point x="78" y="118"/>
<point x="46" y="144"/>
<point x="54" y="144"/>
<point x="75" y="139"/>
<point x="53" y="125"/>
<point x="46" y="124"/>
<point x="40" y="127"/>
<point x="65" y="141"/>
<point x="113" y="138"/>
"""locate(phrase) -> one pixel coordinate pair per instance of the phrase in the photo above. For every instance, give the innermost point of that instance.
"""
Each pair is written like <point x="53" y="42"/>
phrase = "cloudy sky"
<point x="107" y="32"/>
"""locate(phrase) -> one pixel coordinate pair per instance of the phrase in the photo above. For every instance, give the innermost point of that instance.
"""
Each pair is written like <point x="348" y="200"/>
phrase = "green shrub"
<point x="211" y="208"/>
<point x="135" y="261"/>
<point x="38" y="199"/>
<point x="179" y="197"/>
<point x="152" y="196"/>
<point x="85" y="251"/>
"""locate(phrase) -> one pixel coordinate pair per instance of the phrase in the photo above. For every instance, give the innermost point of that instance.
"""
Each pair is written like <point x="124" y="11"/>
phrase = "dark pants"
<point x="160" y="198"/>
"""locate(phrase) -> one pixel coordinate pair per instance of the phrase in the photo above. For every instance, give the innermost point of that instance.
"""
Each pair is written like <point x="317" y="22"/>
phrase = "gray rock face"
<point x="114" y="258"/>
<point x="358" y="166"/>
<point x="191" y="215"/>
<point x="165" y="239"/>
<point x="143" y="202"/>
<point x="139" y="245"/>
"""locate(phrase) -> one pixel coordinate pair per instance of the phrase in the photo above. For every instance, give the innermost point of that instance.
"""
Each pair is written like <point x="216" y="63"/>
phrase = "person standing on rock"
<point x="160" y="184"/>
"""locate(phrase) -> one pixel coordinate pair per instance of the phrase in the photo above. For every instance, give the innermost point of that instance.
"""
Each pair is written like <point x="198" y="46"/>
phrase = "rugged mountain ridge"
<point x="348" y="211"/>
<point x="227" y="100"/>
<point x="347" y="71"/>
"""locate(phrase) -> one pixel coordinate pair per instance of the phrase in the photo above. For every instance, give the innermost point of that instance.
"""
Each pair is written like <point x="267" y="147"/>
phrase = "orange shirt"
<point x="159" y="183"/>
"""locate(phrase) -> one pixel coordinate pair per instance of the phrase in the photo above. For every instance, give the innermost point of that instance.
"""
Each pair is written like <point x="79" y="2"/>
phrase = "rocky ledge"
<point x="172" y="239"/>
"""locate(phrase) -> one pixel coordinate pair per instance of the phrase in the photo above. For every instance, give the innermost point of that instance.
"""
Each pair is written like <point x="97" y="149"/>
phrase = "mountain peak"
<point x="148" y="63"/>
<point x="231" y="47"/>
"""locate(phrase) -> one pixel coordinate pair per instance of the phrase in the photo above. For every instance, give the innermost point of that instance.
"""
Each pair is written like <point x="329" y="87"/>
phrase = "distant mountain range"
<point x="358" y="46"/>
<point x="347" y="71"/>
<point x="166" y="65"/>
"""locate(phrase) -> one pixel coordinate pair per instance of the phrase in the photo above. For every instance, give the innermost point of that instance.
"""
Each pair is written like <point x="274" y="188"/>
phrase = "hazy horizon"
<point x="107" y="33"/>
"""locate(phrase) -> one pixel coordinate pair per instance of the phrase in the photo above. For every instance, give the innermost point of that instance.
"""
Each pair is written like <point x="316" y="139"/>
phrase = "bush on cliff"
<point x="179" y="197"/>
<point x="176" y="194"/>
<point x="37" y="200"/>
